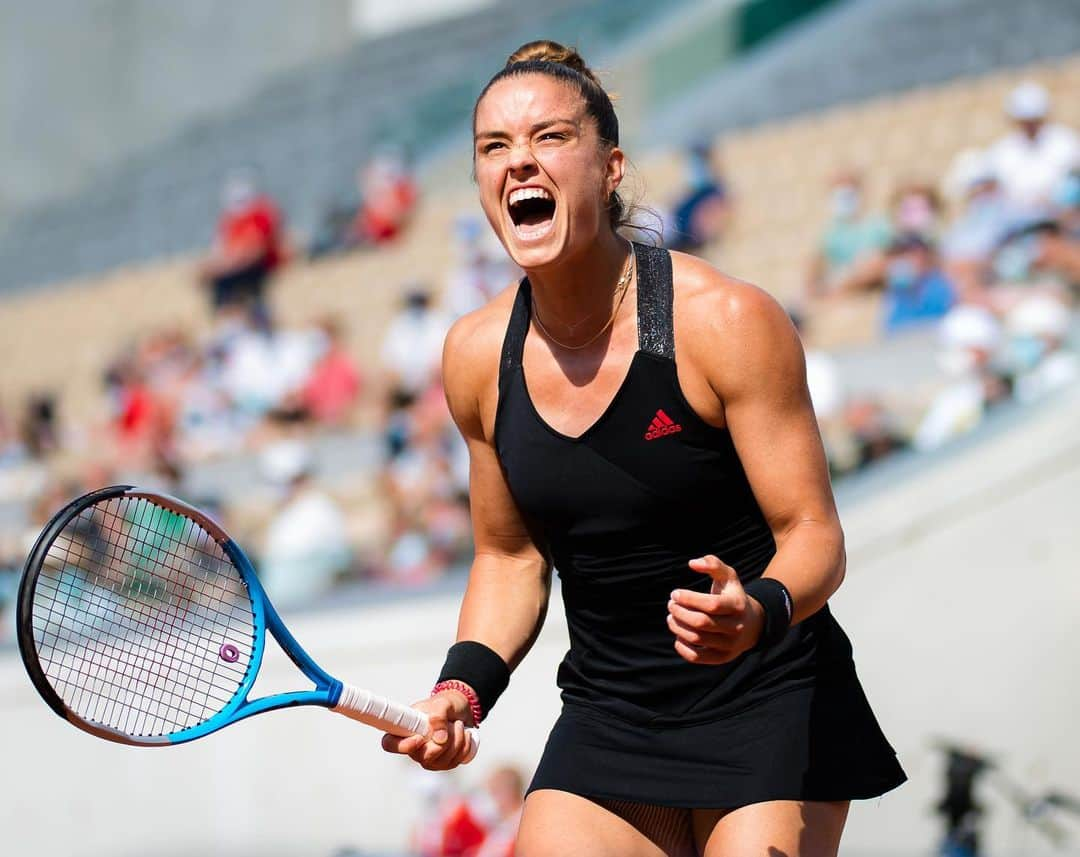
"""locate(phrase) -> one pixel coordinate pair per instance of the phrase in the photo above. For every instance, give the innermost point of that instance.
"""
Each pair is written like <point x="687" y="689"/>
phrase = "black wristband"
<point x="777" y="606"/>
<point x="480" y="668"/>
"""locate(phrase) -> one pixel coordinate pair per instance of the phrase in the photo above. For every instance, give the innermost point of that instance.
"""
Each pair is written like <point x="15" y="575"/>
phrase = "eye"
<point x="553" y="135"/>
<point x="491" y="146"/>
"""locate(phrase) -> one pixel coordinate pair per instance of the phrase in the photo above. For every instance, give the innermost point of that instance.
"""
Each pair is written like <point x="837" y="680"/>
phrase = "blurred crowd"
<point x="981" y="265"/>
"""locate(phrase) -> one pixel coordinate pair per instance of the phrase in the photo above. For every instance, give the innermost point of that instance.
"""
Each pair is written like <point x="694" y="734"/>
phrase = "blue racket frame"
<point x="265" y="619"/>
<point x="327" y="689"/>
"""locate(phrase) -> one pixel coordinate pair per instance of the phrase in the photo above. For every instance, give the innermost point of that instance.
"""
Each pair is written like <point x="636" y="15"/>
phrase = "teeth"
<point x="528" y="193"/>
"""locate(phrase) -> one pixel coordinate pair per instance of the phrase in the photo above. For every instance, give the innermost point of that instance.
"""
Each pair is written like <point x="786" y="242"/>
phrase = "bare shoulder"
<point x="471" y="356"/>
<point x="724" y="324"/>
<point x="710" y="297"/>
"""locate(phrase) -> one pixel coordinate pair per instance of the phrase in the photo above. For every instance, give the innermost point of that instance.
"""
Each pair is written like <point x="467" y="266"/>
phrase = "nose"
<point x="522" y="160"/>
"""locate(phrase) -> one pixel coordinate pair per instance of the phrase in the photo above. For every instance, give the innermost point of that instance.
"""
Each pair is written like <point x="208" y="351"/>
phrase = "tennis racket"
<point x="140" y="621"/>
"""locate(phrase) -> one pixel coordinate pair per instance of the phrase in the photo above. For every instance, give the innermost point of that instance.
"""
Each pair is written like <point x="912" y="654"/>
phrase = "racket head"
<point x="138" y="619"/>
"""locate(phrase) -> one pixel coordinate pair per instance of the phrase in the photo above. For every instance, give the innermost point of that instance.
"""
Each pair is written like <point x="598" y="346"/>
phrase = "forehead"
<point x="524" y="100"/>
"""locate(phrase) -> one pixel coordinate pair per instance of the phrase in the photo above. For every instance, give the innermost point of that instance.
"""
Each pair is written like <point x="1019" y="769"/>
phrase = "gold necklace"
<point x="623" y="284"/>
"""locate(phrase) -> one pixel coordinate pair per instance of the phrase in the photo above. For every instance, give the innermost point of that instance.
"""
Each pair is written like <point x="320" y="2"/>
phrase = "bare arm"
<point x="760" y="376"/>
<point x="509" y="580"/>
<point x="751" y="356"/>
<point x="507" y="594"/>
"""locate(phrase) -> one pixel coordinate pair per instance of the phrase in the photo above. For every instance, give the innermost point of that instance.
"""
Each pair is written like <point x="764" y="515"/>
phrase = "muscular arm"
<point x="759" y="374"/>
<point x="507" y="594"/>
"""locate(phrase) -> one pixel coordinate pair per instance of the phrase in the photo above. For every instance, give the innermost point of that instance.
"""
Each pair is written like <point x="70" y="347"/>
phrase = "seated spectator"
<point x="916" y="288"/>
<point x="482" y="271"/>
<point x="850" y="254"/>
<point x="1038" y="329"/>
<point x="388" y="200"/>
<point x="305" y="547"/>
<point x="333" y="387"/>
<point x="970" y="339"/>
<point x="429" y="517"/>
<point x="699" y="217"/>
<point x="916" y="210"/>
<point x="506" y="789"/>
<point x="1033" y="160"/>
<point x="1058" y="251"/>
<point x="450" y="824"/>
<point x="986" y="219"/>
<point x="412" y="347"/>
<point x="248" y="247"/>
<point x="39" y="429"/>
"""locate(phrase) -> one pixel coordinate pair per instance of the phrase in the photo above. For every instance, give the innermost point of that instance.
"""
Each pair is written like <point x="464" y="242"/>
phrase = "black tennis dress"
<point x="622" y="509"/>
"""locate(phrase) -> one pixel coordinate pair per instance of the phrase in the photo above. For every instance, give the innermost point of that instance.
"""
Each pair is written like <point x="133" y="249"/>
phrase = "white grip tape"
<point x="392" y="717"/>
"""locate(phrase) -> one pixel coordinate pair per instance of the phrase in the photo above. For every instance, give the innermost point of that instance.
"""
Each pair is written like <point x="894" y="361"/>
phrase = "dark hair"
<point x="567" y="65"/>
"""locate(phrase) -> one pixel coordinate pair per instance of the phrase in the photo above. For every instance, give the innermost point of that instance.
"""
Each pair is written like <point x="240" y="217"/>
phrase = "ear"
<point x="614" y="170"/>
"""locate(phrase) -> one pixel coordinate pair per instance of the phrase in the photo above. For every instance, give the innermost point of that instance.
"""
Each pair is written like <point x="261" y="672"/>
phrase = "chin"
<point x="535" y="252"/>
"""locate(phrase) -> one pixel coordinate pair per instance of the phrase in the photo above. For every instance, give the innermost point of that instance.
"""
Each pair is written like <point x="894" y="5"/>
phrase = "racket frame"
<point x="327" y="690"/>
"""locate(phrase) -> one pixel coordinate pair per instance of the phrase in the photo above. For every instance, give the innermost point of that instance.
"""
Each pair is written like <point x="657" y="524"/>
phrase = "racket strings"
<point x="141" y="621"/>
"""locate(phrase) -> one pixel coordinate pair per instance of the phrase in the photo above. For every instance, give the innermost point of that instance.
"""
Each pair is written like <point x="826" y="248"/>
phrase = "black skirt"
<point x="814" y="743"/>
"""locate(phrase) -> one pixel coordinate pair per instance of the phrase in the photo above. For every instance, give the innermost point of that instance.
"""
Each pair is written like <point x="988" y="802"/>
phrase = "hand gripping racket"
<point x="140" y="621"/>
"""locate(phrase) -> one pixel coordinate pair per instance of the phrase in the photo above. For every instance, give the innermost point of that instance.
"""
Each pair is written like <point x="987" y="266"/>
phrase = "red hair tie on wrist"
<point x="467" y="692"/>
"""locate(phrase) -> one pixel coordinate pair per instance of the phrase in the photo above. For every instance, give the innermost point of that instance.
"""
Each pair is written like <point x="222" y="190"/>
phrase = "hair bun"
<point x="545" y="50"/>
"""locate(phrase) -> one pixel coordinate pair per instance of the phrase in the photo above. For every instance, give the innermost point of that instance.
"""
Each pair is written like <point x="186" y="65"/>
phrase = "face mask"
<point x="902" y="274"/>
<point x="1025" y="352"/>
<point x="915" y="214"/>
<point x="1068" y="192"/>
<point x="1013" y="263"/>
<point x="844" y="202"/>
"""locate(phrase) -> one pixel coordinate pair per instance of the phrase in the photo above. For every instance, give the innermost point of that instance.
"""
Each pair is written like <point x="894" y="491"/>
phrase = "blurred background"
<point x="232" y="238"/>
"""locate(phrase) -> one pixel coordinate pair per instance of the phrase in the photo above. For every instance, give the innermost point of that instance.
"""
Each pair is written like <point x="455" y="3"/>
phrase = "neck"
<point x="576" y="296"/>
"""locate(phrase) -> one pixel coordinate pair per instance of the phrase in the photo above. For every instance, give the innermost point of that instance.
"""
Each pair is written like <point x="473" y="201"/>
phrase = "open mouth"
<point x="532" y="211"/>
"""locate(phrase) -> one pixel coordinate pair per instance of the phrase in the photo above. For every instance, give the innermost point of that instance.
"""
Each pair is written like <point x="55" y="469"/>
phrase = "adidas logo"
<point x="662" y="425"/>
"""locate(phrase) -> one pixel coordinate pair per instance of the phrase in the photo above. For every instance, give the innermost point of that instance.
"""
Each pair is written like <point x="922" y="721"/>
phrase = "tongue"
<point x="535" y="217"/>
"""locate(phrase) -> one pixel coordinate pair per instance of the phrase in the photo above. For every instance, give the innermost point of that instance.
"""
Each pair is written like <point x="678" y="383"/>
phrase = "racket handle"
<point x="392" y="717"/>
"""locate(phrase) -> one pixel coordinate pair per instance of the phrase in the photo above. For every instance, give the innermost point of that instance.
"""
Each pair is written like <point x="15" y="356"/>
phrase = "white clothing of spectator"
<point x="987" y="215"/>
<point x="970" y="337"/>
<point x="1039" y="328"/>
<point x="412" y="347"/>
<point x="823" y="380"/>
<point x="305" y="546"/>
<point x="260" y="369"/>
<point x="483" y="269"/>
<point x="1033" y="160"/>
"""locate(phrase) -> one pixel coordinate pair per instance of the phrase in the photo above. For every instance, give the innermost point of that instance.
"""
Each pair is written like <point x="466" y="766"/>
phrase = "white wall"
<point x="962" y="599"/>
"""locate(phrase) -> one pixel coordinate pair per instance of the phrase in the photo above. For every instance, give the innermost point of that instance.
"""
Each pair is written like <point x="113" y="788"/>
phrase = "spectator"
<point x="306" y="546"/>
<point x="506" y="788"/>
<point x="970" y="338"/>
<point x="983" y="224"/>
<point x="699" y="217"/>
<point x="1058" y="251"/>
<point x="483" y="268"/>
<point x="39" y="429"/>
<point x="916" y="288"/>
<point x="389" y="195"/>
<point x="1033" y="160"/>
<point x="248" y="247"/>
<point x="916" y="210"/>
<point x="333" y="387"/>
<point x="450" y="826"/>
<point x="850" y="254"/>
<point x="412" y="348"/>
<point x="1039" y="328"/>
<point x="429" y="513"/>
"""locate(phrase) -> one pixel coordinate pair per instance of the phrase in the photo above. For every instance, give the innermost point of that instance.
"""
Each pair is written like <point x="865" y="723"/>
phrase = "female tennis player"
<point x="641" y="422"/>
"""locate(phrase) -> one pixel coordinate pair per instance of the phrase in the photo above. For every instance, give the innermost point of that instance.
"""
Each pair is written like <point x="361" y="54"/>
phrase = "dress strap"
<point x="516" y="330"/>
<point x="656" y="327"/>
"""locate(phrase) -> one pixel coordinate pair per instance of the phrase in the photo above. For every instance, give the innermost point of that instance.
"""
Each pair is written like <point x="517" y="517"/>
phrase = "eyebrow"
<point x="538" y="126"/>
